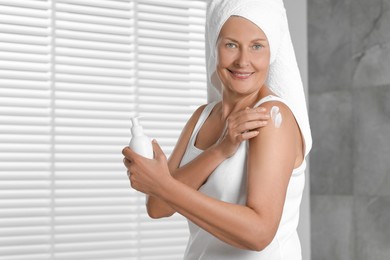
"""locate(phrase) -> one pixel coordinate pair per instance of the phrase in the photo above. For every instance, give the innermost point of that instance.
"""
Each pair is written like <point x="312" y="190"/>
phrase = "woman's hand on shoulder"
<point x="242" y="125"/>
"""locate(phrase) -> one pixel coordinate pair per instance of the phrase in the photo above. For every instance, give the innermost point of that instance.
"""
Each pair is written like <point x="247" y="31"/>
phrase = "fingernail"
<point x="260" y="109"/>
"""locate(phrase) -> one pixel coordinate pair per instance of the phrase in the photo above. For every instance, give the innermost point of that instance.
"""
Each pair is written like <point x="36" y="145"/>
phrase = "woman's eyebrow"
<point x="229" y="39"/>
<point x="254" y="40"/>
<point x="259" y="40"/>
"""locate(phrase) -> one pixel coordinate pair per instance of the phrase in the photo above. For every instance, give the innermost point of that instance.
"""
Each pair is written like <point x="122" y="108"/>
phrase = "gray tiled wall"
<point x="349" y="104"/>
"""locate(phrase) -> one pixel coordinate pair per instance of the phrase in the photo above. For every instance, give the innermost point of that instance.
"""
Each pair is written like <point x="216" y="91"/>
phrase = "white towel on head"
<point x="284" y="78"/>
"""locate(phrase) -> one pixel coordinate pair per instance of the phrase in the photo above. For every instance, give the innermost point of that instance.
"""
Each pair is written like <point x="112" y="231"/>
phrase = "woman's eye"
<point x="231" y="45"/>
<point x="257" y="46"/>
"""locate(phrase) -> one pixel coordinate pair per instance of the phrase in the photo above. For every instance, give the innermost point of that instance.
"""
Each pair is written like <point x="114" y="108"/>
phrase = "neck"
<point x="232" y="104"/>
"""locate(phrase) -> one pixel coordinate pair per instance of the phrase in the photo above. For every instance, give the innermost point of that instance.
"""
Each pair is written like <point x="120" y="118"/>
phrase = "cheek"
<point x="267" y="59"/>
<point x="224" y="58"/>
<point x="222" y="64"/>
<point x="262" y="62"/>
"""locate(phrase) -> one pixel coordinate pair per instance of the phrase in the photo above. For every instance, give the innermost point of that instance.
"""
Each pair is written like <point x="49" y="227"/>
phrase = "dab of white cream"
<point x="276" y="116"/>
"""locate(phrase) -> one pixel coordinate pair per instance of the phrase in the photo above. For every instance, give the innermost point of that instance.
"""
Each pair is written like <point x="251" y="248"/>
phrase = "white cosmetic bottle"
<point x="139" y="142"/>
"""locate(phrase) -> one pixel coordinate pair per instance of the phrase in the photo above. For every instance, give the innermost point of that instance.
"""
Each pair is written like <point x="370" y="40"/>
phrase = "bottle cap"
<point x="136" y="129"/>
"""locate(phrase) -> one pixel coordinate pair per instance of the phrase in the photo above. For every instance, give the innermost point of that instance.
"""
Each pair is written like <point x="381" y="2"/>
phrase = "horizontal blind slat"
<point x="176" y="10"/>
<point x="94" y="28"/>
<point x="24" y="84"/>
<point x="201" y="5"/>
<point x="22" y="20"/>
<point x="93" y="19"/>
<point x="22" y="11"/>
<point x="92" y="10"/>
<point x="68" y="33"/>
<point x="100" y="3"/>
<point x="24" y="30"/>
<point x="178" y="28"/>
<point x="42" y="5"/>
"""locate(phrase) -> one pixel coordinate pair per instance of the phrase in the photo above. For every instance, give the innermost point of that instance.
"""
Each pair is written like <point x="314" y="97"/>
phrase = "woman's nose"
<point x="242" y="59"/>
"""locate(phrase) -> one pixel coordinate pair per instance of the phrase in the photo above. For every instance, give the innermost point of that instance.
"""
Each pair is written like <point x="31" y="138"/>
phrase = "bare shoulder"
<point x="195" y="116"/>
<point x="282" y="117"/>
<point x="199" y="110"/>
<point x="282" y="134"/>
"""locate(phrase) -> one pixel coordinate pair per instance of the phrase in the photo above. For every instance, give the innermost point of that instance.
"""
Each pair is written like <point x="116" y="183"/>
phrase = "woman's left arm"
<point x="271" y="159"/>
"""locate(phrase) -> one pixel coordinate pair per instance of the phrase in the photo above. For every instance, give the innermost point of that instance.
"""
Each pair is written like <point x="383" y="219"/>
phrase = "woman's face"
<point x="243" y="56"/>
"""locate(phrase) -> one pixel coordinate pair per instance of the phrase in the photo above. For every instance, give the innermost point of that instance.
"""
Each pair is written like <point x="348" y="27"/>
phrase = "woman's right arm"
<point x="196" y="172"/>
<point x="193" y="174"/>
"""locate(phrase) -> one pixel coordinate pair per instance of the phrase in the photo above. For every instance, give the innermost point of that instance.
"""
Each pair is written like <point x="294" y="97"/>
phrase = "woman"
<point x="235" y="175"/>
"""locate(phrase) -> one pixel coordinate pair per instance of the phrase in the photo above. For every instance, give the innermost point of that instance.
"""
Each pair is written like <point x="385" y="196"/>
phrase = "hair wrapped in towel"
<point x="284" y="78"/>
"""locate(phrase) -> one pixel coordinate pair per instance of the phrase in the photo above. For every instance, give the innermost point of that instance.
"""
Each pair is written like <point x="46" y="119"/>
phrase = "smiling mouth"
<point x="240" y="75"/>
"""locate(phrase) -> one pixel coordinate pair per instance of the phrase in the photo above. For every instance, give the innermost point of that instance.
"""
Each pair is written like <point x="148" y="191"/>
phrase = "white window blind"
<point x="170" y="86"/>
<point x="26" y="150"/>
<point x="72" y="73"/>
<point x="95" y="211"/>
